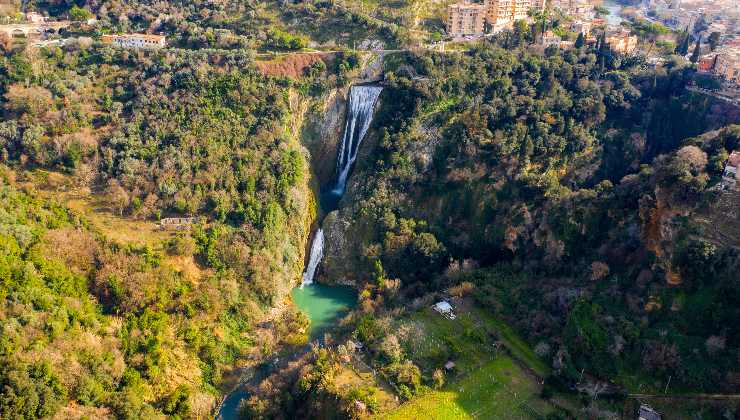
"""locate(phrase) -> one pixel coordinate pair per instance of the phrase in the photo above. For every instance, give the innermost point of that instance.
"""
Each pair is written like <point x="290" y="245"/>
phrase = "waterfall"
<point x="362" y="100"/>
<point x="317" y="252"/>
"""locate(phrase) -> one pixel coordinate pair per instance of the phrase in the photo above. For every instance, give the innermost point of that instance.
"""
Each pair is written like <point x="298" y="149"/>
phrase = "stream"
<point x="324" y="304"/>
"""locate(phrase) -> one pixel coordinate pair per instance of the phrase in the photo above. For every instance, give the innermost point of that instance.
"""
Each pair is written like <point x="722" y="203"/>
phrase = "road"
<point x="718" y="95"/>
<point x="727" y="397"/>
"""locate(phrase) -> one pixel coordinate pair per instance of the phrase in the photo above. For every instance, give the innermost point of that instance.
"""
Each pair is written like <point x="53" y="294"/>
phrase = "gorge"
<point x="323" y="304"/>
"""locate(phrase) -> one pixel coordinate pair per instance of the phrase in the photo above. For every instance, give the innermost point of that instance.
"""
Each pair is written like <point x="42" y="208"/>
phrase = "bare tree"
<point x="117" y="196"/>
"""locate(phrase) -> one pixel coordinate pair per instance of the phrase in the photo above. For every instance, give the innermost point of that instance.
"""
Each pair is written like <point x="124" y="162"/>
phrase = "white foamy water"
<point x="317" y="252"/>
<point x="362" y="100"/>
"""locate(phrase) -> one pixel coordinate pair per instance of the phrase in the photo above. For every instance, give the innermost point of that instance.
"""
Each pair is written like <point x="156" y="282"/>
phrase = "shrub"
<point x="182" y="245"/>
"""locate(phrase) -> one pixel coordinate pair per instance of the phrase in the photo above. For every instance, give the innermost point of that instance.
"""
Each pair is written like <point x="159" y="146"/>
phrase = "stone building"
<point x="723" y="63"/>
<point x="582" y="27"/>
<point x="731" y="175"/>
<point x="622" y="42"/>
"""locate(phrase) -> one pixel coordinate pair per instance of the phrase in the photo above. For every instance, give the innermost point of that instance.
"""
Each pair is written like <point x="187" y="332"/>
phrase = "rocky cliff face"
<point x="344" y="261"/>
<point x="291" y="245"/>
<point x="339" y="265"/>
<point x="322" y="132"/>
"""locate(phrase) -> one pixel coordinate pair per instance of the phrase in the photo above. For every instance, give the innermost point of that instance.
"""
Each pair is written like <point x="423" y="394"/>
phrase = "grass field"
<point x="470" y="337"/>
<point x="515" y="344"/>
<point x="489" y="380"/>
<point x="94" y="210"/>
<point x="350" y="378"/>
<point x="498" y="390"/>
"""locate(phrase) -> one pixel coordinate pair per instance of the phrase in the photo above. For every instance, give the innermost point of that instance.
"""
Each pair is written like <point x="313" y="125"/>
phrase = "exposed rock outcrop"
<point x="322" y="132"/>
<point x="339" y="253"/>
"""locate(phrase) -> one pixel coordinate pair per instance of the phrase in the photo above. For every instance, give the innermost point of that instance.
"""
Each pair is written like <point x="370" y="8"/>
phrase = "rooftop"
<point x="443" y="306"/>
<point x="647" y="413"/>
<point x="147" y="37"/>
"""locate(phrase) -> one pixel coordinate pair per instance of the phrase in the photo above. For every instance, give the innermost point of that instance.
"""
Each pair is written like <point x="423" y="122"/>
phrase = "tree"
<point x="520" y="32"/>
<point x="540" y="22"/>
<point x="177" y="404"/>
<point x="603" y="52"/>
<point x="697" y="51"/>
<point x="683" y="46"/>
<point x="79" y="14"/>
<point x="580" y="40"/>
<point x="391" y="349"/>
<point x="34" y="100"/>
<point x="29" y="391"/>
<point x="713" y="40"/>
<point x="439" y="378"/>
<point x="117" y="196"/>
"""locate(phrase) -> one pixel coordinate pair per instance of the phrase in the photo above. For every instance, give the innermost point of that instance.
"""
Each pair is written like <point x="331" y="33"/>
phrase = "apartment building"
<point x="622" y="42"/>
<point x="466" y="19"/>
<point x="723" y="63"/>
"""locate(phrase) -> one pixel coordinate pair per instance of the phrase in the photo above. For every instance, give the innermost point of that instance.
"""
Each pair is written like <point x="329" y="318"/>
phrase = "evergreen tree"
<point x="697" y="51"/>
<point x="604" y="51"/>
<point x="713" y="40"/>
<point x="683" y="47"/>
<point x="580" y="40"/>
<point x="603" y="46"/>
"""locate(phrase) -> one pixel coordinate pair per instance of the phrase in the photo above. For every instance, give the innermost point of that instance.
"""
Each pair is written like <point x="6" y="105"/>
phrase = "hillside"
<point x="162" y="211"/>
<point x="111" y="148"/>
<point x="267" y="25"/>
<point x="593" y="236"/>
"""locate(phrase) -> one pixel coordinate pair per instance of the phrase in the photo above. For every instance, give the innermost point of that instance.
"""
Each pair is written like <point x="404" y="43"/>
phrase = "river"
<point x="614" y="8"/>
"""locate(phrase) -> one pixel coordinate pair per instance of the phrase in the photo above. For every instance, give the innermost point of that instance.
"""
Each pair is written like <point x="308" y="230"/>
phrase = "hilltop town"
<point x="703" y="31"/>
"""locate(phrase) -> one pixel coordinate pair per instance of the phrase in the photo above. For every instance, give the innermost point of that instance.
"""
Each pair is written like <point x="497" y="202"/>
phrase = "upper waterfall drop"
<point x="317" y="252"/>
<point x="362" y="101"/>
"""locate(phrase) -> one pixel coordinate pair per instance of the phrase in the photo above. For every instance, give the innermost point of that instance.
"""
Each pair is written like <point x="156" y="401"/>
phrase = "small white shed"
<point x="444" y="308"/>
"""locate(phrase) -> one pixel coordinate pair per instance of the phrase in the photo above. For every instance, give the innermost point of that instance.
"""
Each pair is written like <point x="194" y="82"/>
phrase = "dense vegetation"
<point x="112" y="329"/>
<point x="154" y="135"/>
<point x="558" y="191"/>
<point x="166" y="134"/>
<point x="570" y="180"/>
<point x="232" y="24"/>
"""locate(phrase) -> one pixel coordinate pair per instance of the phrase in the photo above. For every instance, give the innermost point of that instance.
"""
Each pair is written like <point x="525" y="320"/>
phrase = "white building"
<point x="731" y="176"/>
<point x="549" y="39"/>
<point x="143" y="41"/>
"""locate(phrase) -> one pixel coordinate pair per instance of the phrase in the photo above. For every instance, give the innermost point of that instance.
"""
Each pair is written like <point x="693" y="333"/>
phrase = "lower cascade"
<point x="317" y="252"/>
<point x="362" y="100"/>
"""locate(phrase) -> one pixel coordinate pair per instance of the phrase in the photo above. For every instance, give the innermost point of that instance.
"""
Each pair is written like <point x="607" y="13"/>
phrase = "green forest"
<point x="550" y="173"/>
<point x="157" y="208"/>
